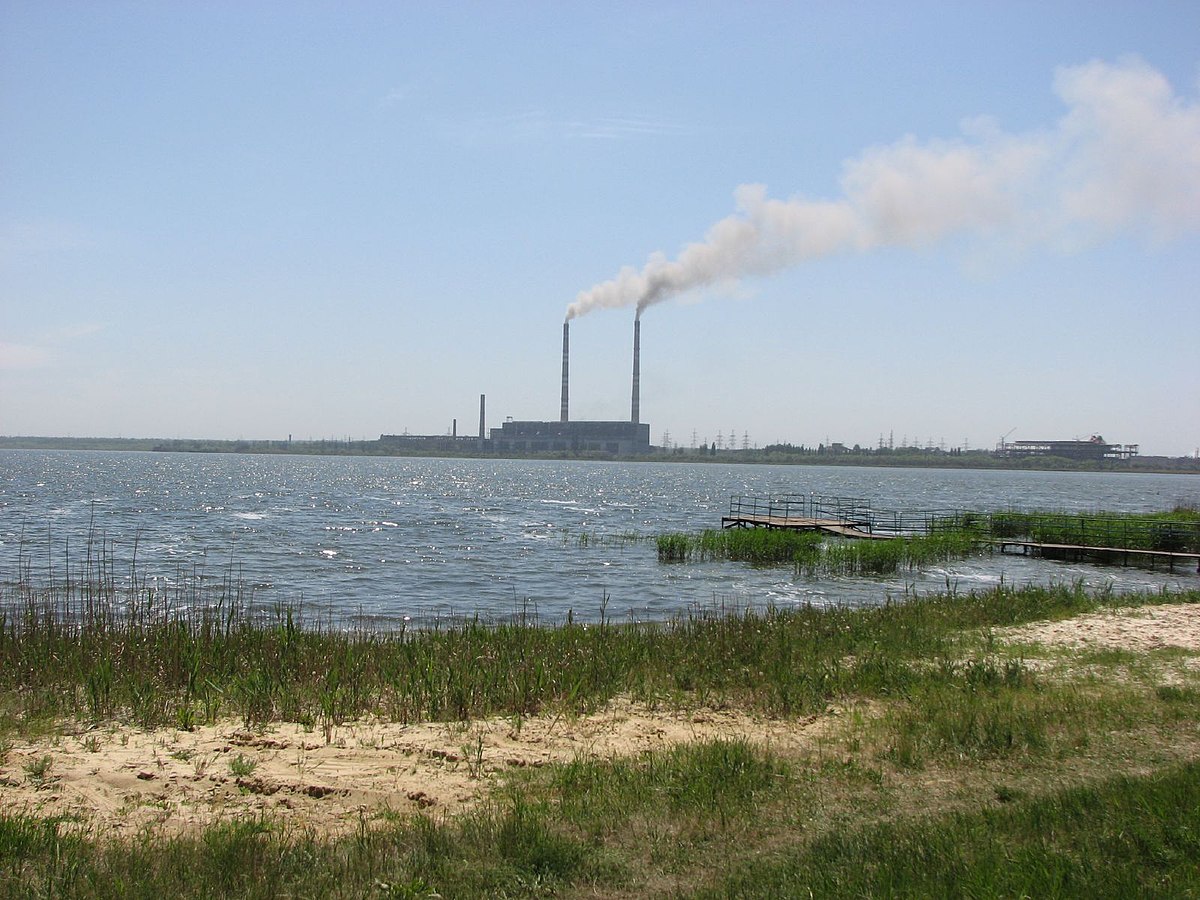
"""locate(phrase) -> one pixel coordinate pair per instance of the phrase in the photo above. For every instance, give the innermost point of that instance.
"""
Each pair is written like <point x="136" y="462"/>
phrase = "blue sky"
<point x="335" y="220"/>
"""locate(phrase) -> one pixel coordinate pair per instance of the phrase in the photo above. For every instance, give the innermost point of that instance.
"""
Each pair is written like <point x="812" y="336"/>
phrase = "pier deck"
<point x="800" y="523"/>
<point x="842" y="516"/>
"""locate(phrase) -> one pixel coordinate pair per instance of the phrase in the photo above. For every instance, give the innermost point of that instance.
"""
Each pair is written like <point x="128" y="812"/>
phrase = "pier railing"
<point x="1091" y="530"/>
<point x="848" y="512"/>
<point x="1079" y="530"/>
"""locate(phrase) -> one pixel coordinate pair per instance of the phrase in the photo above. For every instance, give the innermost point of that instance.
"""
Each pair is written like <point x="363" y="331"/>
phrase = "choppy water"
<point x="428" y="538"/>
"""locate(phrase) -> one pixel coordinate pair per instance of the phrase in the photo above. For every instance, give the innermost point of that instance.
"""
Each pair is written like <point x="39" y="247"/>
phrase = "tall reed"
<point x="195" y="652"/>
<point x="759" y="546"/>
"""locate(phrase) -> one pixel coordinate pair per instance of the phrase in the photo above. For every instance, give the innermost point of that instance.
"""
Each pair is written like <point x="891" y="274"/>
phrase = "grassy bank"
<point x="944" y="759"/>
<point x="145" y="658"/>
<point x="1118" y="837"/>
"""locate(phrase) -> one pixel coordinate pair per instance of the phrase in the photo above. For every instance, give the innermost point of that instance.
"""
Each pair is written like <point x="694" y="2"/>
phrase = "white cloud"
<point x="19" y="357"/>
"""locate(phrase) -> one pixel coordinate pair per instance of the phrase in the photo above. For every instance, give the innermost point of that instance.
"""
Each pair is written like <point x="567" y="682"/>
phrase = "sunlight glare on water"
<point x="425" y="538"/>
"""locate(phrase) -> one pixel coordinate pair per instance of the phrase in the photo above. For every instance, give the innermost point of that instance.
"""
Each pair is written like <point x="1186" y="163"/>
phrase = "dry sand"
<point x="122" y="779"/>
<point x="1139" y="628"/>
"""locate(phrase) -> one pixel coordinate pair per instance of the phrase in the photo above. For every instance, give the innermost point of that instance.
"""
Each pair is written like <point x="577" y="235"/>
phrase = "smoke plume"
<point x="1124" y="157"/>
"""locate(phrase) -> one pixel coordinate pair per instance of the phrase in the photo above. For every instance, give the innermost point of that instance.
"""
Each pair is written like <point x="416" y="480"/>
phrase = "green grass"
<point x="929" y="698"/>
<point x="515" y="846"/>
<point x="1123" y="837"/>
<point x="649" y="827"/>
<point x="100" y="653"/>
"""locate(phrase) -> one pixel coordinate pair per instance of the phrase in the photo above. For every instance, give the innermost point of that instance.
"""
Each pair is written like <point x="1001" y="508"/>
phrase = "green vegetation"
<point x="1177" y="530"/>
<point x="760" y="546"/>
<point x="93" y="652"/>
<point x="941" y="760"/>
<point x="949" y="536"/>
<point x="1122" y="837"/>
<point x="813" y="554"/>
<point x="859" y="557"/>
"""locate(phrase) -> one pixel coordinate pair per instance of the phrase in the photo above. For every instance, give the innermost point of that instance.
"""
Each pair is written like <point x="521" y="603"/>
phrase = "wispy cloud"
<point x="19" y="357"/>
<point x="68" y="333"/>
<point x="615" y="128"/>
<point x="538" y="125"/>
<point x="396" y="96"/>
<point x="45" y="351"/>
<point x="24" y="242"/>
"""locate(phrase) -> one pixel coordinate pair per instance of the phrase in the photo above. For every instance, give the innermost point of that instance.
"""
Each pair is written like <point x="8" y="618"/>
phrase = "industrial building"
<point x="448" y="443"/>
<point x="1093" y="449"/>
<point x="621" y="438"/>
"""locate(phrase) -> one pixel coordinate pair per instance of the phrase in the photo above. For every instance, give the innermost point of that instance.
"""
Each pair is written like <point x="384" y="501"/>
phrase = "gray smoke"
<point x="1124" y="157"/>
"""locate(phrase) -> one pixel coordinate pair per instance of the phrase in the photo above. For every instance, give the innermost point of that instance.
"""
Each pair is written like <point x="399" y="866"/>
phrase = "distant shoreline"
<point x="867" y="458"/>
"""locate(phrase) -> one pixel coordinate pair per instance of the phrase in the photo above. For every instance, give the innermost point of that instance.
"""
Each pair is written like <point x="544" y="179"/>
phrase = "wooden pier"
<point x="804" y="512"/>
<point x="1172" y="542"/>
<point x="799" y="523"/>
<point x="1103" y="554"/>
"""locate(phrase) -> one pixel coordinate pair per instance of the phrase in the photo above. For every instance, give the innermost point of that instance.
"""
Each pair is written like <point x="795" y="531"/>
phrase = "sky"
<point x="932" y="223"/>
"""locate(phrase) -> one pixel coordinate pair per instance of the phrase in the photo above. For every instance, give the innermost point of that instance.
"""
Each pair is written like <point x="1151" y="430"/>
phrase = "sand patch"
<point x="1136" y="629"/>
<point x="123" y="779"/>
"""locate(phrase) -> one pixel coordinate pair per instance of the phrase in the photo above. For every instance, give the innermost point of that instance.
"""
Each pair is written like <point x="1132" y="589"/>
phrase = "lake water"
<point x="433" y="538"/>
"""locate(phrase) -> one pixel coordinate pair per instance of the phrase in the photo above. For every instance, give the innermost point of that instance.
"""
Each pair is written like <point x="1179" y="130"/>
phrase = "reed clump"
<point x="814" y="555"/>
<point x="884" y="557"/>
<point x="758" y="546"/>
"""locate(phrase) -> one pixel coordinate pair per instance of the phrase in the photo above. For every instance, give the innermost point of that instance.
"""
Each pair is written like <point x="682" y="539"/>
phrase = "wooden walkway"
<point x="1036" y="548"/>
<point x="800" y="523"/>
<point x="854" y="518"/>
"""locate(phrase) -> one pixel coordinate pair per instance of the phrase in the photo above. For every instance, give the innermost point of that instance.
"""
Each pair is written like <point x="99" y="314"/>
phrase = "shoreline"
<point x="907" y="749"/>
<point x="122" y="778"/>
<point x="923" y="459"/>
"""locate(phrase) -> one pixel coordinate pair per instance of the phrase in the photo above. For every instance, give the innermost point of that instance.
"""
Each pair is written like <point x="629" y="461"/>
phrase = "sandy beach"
<point x="121" y="779"/>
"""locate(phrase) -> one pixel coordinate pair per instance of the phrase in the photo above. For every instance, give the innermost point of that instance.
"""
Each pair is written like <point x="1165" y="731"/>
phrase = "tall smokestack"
<point x="482" y="402"/>
<point x="635" y="411"/>
<point x="566" y="369"/>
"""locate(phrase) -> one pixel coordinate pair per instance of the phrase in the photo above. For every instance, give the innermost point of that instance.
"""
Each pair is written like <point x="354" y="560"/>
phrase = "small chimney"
<point x="635" y="411"/>
<point x="566" y="369"/>
<point x="482" y="403"/>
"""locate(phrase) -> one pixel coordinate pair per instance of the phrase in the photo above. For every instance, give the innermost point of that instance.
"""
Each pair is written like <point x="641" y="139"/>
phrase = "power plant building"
<point x="621" y="438"/>
<point x="627" y="438"/>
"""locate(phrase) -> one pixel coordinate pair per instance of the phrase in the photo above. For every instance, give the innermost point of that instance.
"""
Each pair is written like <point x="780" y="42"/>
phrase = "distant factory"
<point x="618" y="438"/>
<point x="1094" y="449"/>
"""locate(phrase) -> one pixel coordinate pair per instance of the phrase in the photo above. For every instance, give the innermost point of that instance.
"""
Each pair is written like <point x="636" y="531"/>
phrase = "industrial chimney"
<point x="482" y="399"/>
<point x="566" y="369"/>
<point x="635" y="411"/>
